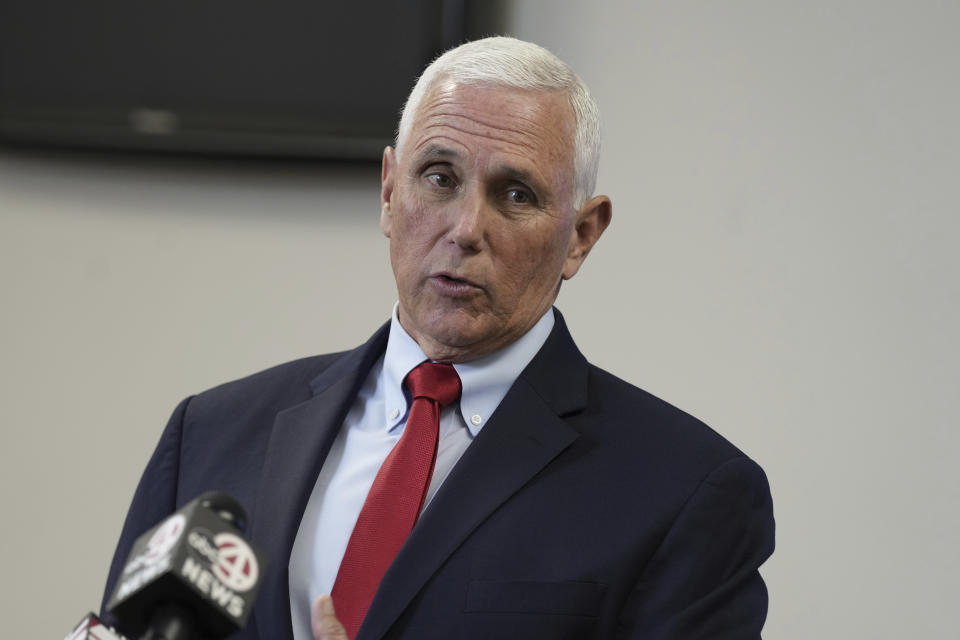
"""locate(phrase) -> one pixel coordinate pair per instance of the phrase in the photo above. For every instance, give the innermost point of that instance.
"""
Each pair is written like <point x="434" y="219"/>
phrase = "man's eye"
<point x="519" y="196"/>
<point x="441" y="180"/>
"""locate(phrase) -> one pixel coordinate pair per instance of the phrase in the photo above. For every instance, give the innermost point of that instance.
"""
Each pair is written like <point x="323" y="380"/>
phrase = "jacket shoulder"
<point x="654" y="425"/>
<point x="274" y="387"/>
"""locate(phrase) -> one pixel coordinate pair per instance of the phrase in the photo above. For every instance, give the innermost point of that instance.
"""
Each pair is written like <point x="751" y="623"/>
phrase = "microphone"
<point x="191" y="576"/>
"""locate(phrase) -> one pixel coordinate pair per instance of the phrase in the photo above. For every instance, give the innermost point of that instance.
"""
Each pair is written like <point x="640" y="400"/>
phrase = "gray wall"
<point x="782" y="264"/>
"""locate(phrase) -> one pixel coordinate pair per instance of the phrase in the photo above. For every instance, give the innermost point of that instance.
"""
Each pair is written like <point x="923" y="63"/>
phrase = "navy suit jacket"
<point x="585" y="508"/>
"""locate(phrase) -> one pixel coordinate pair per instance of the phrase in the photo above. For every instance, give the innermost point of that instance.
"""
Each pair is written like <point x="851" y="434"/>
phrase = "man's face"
<point x="478" y="208"/>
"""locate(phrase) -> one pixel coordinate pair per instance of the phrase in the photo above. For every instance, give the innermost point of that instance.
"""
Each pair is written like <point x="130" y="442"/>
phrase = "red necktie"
<point x="397" y="495"/>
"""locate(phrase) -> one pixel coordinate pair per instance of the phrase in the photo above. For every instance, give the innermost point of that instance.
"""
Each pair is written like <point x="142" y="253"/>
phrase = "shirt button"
<point x="476" y="419"/>
<point x="394" y="414"/>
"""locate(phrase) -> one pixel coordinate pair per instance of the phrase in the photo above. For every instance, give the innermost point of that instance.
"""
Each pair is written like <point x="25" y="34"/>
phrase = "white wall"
<point x="782" y="264"/>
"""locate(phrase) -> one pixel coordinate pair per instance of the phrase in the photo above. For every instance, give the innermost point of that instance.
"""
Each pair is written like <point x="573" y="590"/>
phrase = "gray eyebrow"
<point x="517" y="174"/>
<point x="437" y="151"/>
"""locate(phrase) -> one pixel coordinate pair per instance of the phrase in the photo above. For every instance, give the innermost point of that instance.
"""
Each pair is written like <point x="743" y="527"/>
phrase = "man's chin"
<point x="456" y="341"/>
<point x="455" y="337"/>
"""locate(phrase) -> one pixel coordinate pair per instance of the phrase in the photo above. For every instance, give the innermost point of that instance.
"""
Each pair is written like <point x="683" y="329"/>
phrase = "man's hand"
<point x="323" y="621"/>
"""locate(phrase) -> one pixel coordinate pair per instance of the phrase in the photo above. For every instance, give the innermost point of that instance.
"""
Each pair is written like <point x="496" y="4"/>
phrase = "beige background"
<point x="782" y="264"/>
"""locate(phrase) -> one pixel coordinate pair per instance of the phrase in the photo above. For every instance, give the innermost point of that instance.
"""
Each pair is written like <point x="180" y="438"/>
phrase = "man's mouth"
<point x="450" y="284"/>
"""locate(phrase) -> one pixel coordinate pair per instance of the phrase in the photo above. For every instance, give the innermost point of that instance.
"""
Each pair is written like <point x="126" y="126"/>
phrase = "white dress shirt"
<point x="372" y="427"/>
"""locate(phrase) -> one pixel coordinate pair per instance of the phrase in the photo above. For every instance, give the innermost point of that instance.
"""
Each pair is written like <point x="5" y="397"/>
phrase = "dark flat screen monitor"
<point x="309" y="78"/>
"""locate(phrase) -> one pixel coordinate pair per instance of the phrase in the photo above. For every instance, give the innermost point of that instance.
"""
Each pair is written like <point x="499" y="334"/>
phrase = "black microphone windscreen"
<point x="193" y="570"/>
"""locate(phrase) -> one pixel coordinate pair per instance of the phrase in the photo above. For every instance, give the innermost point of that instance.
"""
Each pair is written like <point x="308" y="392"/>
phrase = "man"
<point x="554" y="500"/>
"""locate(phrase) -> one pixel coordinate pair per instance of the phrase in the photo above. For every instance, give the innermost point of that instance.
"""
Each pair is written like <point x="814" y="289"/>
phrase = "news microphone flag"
<point x="92" y="628"/>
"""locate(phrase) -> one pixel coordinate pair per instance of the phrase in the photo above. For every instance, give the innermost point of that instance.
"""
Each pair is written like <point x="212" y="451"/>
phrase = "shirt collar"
<point x="485" y="380"/>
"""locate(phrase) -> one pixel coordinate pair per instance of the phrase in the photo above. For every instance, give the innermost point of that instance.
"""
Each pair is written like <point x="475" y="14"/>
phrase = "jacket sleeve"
<point x="703" y="581"/>
<point x="154" y="499"/>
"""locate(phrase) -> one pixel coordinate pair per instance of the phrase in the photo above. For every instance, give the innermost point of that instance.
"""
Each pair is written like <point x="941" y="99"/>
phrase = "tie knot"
<point x="436" y="381"/>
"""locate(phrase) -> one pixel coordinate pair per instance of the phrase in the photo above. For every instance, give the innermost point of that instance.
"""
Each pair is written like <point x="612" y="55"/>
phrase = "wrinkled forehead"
<point x="536" y="124"/>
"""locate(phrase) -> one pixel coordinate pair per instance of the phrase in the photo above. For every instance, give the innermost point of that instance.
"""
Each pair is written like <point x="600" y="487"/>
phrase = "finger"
<point x="323" y="620"/>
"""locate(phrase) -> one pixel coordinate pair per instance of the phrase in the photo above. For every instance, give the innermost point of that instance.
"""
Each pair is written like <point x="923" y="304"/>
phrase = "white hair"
<point x="508" y="62"/>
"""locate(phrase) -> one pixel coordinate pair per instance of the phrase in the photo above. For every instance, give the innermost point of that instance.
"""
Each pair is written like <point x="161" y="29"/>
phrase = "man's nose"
<point x="469" y="220"/>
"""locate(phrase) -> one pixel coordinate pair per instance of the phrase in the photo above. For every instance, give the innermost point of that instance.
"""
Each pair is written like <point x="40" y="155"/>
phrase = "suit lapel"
<point x="299" y="443"/>
<point x="522" y="437"/>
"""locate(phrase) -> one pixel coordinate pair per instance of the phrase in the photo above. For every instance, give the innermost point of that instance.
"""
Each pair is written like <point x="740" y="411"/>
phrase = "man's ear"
<point x="589" y="224"/>
<point x="387" y="177"/>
